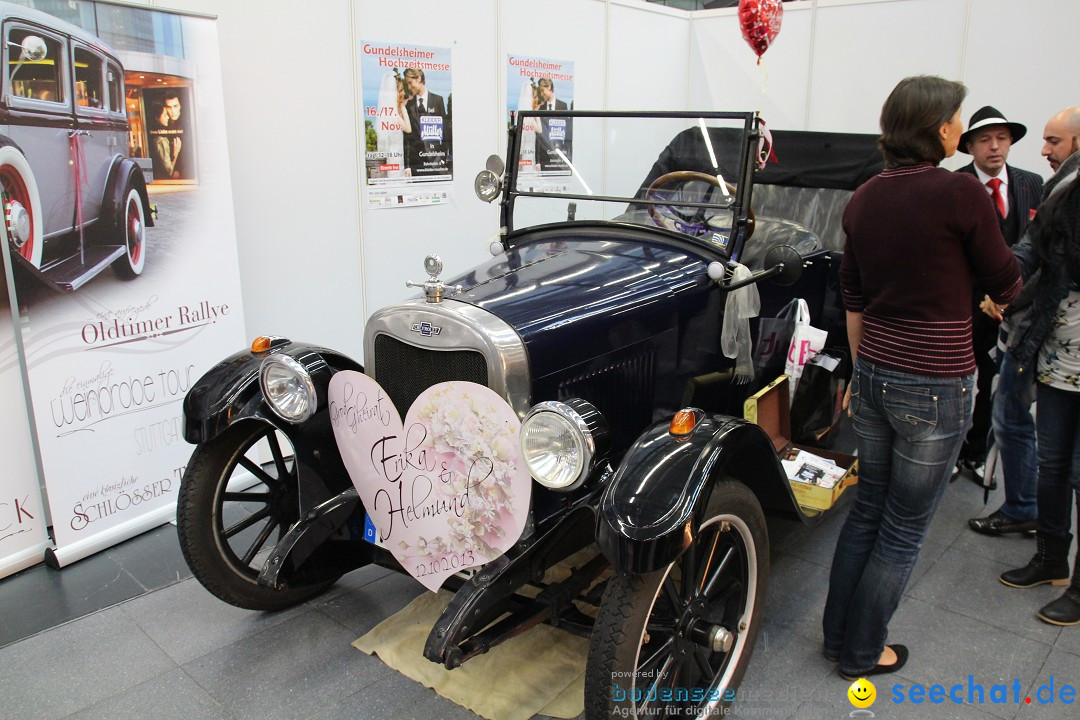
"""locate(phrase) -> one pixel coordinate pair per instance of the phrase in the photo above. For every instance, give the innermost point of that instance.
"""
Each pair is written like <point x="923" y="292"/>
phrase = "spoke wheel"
<point x="677" y="641"/>
<point x="233" y="507"/>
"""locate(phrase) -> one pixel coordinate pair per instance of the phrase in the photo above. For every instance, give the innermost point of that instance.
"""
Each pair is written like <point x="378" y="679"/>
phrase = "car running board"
<point x="71" y="274"/>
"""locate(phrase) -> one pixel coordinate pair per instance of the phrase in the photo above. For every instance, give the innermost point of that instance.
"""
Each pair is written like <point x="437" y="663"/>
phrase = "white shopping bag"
<point x="806" y="342"/>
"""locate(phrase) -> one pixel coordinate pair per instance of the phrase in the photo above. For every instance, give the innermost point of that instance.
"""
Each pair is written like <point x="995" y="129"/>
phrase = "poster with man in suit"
<point x="544" y="86"/>
<point x="172" y="144"/>
<point x="408" y="123"/>
<point x="428" y="142"/>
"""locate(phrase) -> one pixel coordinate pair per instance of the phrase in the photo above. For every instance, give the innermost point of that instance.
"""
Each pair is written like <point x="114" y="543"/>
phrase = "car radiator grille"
<point x="404" y="371"/>
<point x="622" y="391"/>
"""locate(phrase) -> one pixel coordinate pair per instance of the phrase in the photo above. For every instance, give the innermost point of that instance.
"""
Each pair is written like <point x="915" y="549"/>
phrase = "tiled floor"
<point x="177" y="652"/>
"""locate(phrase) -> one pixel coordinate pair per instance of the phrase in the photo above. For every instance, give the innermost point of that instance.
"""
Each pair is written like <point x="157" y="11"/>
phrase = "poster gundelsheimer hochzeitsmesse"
<point x="408" y="124"/>
<point x="116" y="319"/>
<point x="547" y="143"/>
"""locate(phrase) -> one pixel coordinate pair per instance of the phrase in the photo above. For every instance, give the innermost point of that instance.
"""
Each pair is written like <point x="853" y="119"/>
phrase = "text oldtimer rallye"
<point x="596" y="322"/>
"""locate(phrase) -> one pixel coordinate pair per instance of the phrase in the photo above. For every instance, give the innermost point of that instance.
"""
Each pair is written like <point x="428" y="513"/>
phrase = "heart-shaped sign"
<point x="446" y="489"/>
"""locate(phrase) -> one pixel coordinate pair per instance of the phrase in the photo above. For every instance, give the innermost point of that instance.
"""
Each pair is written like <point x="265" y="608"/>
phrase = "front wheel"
<point x="676" y="642"/>
<point x="231" y="510"/>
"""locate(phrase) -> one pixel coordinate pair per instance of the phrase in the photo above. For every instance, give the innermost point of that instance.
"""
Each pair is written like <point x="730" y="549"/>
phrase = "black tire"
<point x="224" y="535"/>
<point x="649" y="615"/>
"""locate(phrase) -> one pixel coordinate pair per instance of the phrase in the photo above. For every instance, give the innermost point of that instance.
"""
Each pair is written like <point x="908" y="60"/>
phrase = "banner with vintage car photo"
<point x="408" y="124"/>
<point x="534" y="83"/>
<point x="120" y="311"/>
<point x="23" y="536"/>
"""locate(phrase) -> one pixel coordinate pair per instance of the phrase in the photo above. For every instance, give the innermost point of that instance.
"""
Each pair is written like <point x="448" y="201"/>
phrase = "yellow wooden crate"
<point x="770" y="409"/>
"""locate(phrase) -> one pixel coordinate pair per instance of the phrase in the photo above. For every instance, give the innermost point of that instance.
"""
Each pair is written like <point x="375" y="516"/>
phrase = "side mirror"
<point x="33" y="48"/>
<point x="487" y="185"/>
<point x="495" y="164"/>
<point x="785" y="263"/>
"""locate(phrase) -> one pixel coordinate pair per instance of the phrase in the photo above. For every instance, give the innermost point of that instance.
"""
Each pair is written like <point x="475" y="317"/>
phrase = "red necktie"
<point x="995" y="194"/>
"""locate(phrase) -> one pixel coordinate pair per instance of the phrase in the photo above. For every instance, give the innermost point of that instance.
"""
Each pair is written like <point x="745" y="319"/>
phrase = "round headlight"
<point x="557" y="444"/>
<point x="287" y="388"/>
<point x="487" y="185"/>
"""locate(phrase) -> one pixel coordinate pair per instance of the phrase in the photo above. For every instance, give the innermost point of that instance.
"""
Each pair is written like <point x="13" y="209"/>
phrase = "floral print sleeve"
<point x="1059" y="357"/>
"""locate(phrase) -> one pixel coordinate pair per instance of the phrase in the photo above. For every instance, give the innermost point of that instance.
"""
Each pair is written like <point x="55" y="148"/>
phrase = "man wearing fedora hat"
<point x="1015" y="194"/>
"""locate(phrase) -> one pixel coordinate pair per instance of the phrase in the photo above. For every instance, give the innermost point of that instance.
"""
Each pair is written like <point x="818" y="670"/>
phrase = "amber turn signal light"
<point x="260" y="344"/>
<point x="685" y="421"/>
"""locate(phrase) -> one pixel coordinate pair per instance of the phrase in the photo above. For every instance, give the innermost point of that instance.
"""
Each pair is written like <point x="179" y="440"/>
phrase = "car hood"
<point x="574" y="298"/>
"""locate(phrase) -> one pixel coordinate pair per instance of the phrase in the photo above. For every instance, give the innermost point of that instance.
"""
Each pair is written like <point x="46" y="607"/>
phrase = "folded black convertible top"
<point x="800" y="158"/>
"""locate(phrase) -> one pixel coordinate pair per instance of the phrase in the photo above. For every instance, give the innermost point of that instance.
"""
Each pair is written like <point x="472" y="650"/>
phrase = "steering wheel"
<point x="697" y="220"/>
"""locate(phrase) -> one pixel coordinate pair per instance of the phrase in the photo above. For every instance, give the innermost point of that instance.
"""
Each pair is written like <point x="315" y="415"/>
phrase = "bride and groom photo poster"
<point x="546" y="85"/>
<point x="408" y="123"/>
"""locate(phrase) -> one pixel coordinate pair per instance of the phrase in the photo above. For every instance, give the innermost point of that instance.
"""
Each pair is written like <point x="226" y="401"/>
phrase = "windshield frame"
<point x="739" y="206"/>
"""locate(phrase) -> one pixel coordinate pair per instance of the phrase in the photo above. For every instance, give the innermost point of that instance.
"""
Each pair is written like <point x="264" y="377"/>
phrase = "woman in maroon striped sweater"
<point x="918" y="236"/>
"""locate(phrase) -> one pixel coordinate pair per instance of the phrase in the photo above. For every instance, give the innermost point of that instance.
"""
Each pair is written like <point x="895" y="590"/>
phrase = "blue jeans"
<point x="909" y="430"/>
<point x="1014" y="435"/>
<point x="1059" y="458"/>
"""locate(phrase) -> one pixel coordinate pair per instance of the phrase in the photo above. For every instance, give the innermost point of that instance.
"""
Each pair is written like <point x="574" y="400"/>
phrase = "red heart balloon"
<point x="760" y="23"/>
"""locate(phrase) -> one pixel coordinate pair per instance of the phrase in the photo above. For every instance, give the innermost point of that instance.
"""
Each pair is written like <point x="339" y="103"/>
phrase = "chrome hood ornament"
<point x="434" y="288"/>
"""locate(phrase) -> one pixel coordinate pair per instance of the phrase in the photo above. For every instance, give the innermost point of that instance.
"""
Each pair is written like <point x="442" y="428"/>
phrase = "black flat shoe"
<point x="901" y="659"/>
<point x="975" y="470"/>
<point x="997" y="523"/>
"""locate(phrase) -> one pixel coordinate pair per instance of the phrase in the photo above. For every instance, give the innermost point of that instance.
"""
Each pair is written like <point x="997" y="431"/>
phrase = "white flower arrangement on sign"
<point x="478" y="448"/>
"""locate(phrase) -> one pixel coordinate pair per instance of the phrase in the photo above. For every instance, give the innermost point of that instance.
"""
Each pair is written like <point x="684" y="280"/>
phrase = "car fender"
<point x="230" y="393"/>
<point x="647" y="515"/>
<point x="5" y="140"/>
<point x="124" y="169"/>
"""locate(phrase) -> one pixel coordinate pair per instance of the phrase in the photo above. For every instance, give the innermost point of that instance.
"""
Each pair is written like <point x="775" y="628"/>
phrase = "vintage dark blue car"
<point x="599" y="321"/>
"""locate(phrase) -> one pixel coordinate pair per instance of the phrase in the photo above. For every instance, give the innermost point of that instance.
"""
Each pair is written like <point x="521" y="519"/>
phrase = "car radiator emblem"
<point x="426" y="329"/>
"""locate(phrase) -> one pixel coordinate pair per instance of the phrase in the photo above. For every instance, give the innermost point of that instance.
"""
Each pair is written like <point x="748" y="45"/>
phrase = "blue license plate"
<point x="371" y="534"/>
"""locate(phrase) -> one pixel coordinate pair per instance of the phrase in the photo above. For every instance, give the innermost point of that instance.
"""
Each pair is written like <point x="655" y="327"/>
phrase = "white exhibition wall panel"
<point x="580" y="39"/>
<point x="725" y="74"/>
<point x="1028" y="73"/>
<point x="862" y="49"/>
<point x="647" y="69"/>
<point x="647" y="60"/>
<point x="287" y="71"/>
<point x="395" y="240"/>
<point x="581" y="42"/>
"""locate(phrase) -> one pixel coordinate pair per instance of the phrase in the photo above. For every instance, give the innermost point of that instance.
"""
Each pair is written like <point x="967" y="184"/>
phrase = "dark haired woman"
<point x="918" y="236"/>
<point x="1048" y="340"/>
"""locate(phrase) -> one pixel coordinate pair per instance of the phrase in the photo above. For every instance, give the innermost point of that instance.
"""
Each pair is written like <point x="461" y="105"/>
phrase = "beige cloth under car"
<point x="540" y="672"/>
